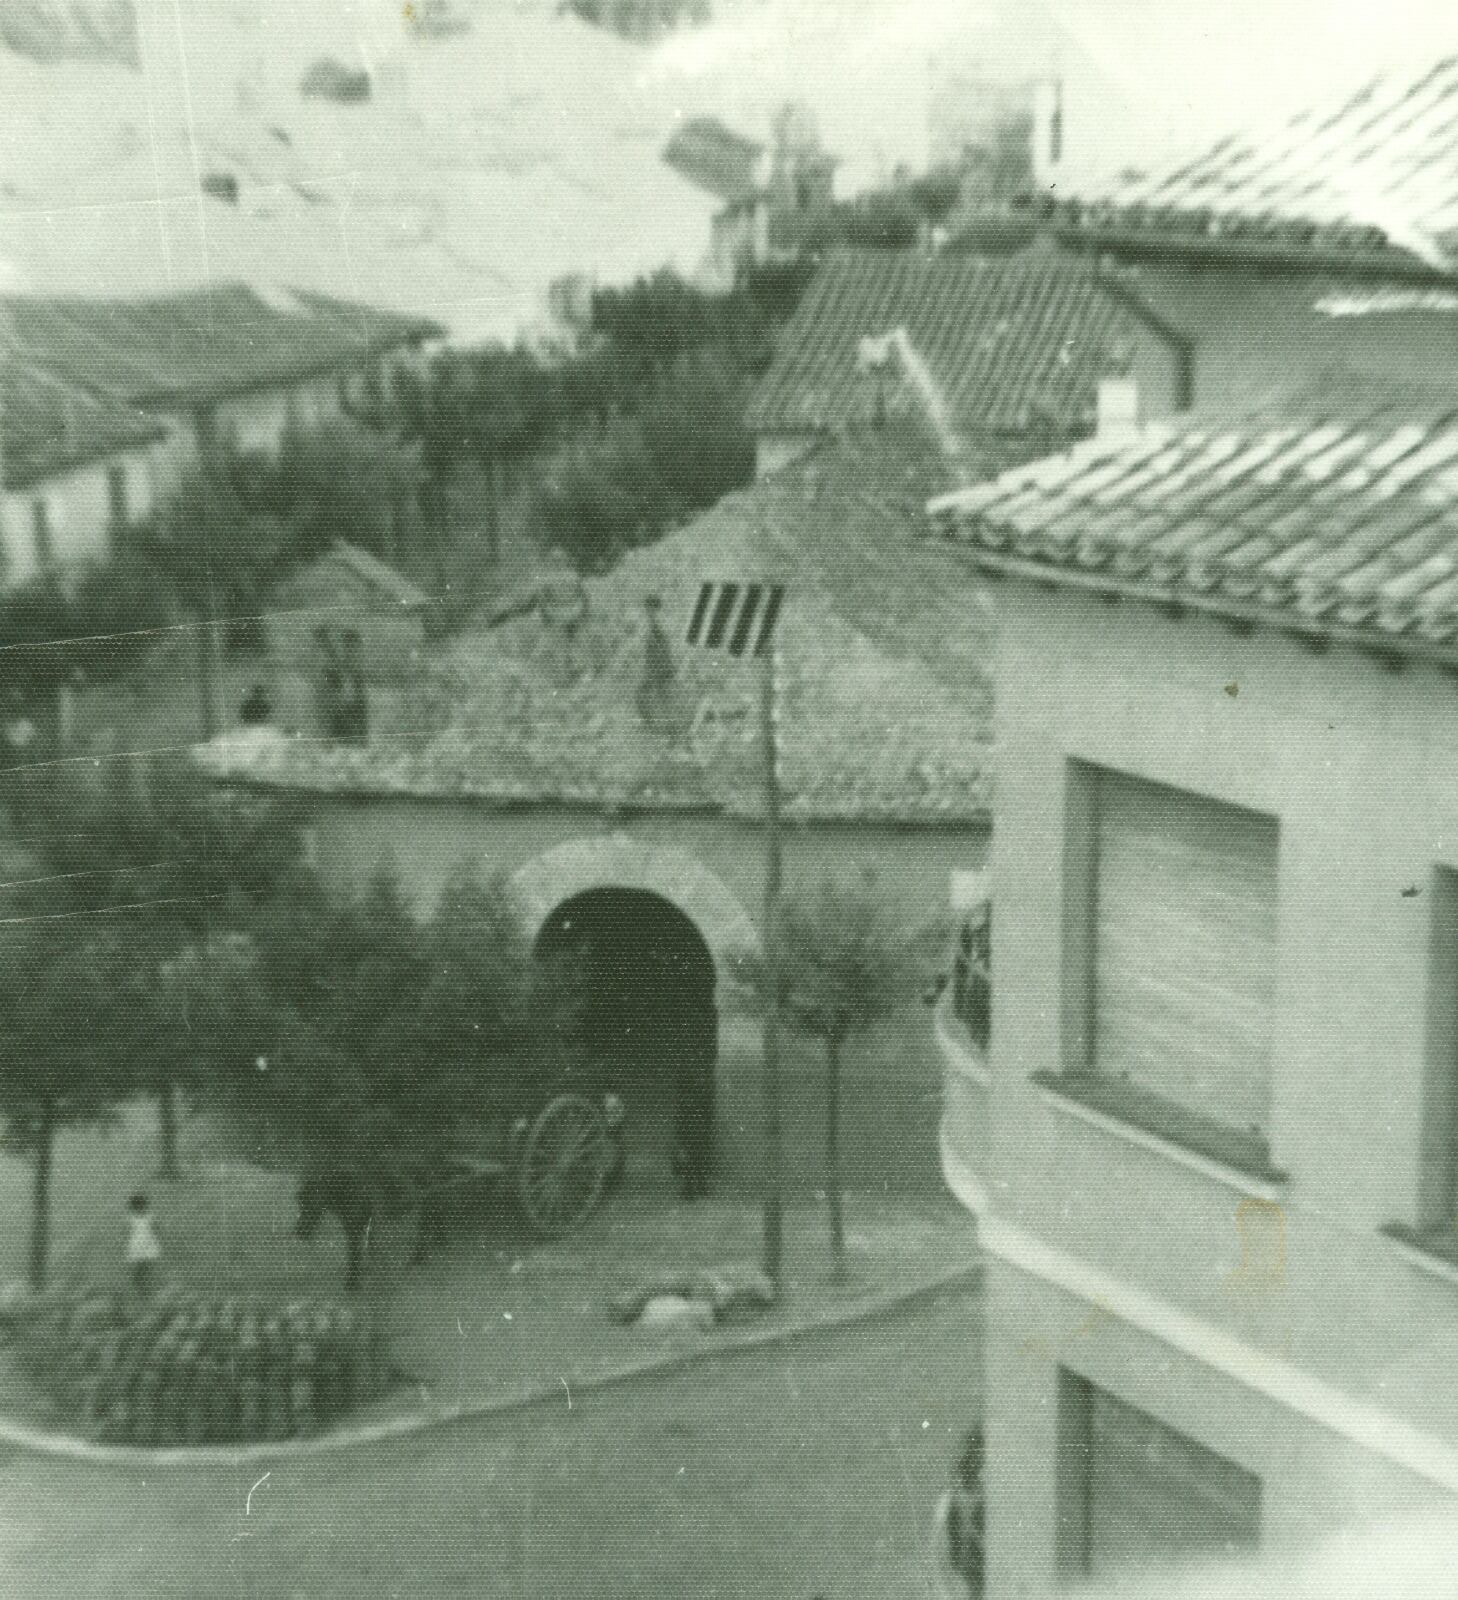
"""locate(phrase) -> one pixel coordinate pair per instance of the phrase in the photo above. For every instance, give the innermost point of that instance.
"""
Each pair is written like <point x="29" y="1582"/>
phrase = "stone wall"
<point x="712" y="870"/>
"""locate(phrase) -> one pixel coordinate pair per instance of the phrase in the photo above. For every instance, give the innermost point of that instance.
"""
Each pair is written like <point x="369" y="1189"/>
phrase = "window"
<point x="116" y="495"/>
<point x="1438" y="1203"/>
<point x="1174" y="958"/>
<point x="40" y="522"/>
<point x="972" y="975"/>
<point x="1435" y="1227"/>
<point x="1135" y="1494"/>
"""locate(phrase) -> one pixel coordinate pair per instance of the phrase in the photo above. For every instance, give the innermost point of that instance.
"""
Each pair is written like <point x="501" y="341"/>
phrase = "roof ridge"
<point x="200" y="344"/>
<point x="373" y="567"/>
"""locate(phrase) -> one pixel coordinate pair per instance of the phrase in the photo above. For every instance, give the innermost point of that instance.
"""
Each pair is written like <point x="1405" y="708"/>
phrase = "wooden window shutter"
<point x="1159" y="1499"/>
<point x="1185" y="948"/>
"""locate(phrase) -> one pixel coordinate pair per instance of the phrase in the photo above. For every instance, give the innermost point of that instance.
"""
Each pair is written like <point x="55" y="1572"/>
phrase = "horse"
<point x="357" y="1205"/>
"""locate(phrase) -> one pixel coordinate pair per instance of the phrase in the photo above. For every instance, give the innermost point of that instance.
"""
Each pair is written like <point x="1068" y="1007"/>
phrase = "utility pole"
<point x="774" y="1218"/>
<point x="740" y="619"/>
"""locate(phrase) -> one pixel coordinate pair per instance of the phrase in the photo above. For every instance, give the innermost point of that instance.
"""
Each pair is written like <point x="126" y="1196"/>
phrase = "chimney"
<point x="1118" y="413"/>
<point x="6" y="361"/>
<point x="1047" y="132"/>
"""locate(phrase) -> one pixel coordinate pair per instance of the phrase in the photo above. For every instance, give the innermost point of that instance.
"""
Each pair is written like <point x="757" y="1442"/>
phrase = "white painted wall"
<point x="1328" y="1368"/>
<point x="78" y="510"/>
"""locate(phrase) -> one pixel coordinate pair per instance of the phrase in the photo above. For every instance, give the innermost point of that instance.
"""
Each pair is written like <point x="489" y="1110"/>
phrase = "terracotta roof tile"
<point x="200" y="345"/>
<point x="715" y="158"/>
<point x="1013" y="345"/>
<point x="886" y="702"/>
<point x="47" y="427"/>
<point x="1345" y="525"/>
<point x="1372" y="181"/>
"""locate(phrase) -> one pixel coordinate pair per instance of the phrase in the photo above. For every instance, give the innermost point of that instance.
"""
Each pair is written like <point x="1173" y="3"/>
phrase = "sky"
<point x="1142" y="77"/>
<point x="489" y="164"/>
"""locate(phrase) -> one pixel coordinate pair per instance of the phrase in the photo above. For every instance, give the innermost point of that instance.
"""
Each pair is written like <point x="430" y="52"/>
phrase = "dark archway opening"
<point x="647" y="1021"/>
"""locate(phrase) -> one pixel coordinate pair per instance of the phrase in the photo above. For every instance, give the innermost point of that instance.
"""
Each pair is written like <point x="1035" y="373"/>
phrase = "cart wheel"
<point x="564" y="1165"/>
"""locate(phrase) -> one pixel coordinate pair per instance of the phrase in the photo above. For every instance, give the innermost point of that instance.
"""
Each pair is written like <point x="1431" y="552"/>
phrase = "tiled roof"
<point x="372" y="326"/>
<point x="1013" y="345"/>
<point x="885" y="704"/>
<point x="1371" y="182"/>
<point x="47" y="427"/>
<point x="378" y="575"/>
<point x="1338" y="528"/>
<point x="200" y="345"/>
<point x="715" y="158"/>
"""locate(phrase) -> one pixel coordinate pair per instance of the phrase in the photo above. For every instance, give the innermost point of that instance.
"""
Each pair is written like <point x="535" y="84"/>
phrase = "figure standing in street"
<point x="257" y="707"/>
<point x="354" y="714"/>
<point x="328" y="681"/>
<point x="655" y="689"/>
<point x="144" y="1247"/>
<point x="962" y="1521"/>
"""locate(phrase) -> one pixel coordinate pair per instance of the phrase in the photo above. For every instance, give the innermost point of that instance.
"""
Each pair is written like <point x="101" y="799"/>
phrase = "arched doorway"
<point x="648" y="1021"/>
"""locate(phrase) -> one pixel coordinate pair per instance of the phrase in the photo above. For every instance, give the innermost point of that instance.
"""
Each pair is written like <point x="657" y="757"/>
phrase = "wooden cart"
<point x="558" y="1160"/>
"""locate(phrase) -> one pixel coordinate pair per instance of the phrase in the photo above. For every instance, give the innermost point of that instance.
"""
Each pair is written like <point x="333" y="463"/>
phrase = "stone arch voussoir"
<point x="615" y="861"/>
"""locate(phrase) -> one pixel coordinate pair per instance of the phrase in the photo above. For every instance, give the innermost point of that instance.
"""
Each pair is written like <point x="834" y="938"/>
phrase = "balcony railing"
<point x="960" y="1050"/>
<point x="964" y="1130"/>
<point x="1116" y="1100"/>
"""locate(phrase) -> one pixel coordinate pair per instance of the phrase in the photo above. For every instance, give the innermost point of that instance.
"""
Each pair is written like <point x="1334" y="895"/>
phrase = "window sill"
<point x="1430" y="1250"/>
<point x="1238" y="1160"/>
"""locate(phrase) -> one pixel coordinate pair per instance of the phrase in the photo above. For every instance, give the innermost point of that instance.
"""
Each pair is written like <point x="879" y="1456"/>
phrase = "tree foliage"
<point x="433" y="409"/>
<point x="62" y="1016"/>
<point x="513" y="402"/>
<point x="883" y="219"/>
<point x="341" y="480"/>
<point x="839" y="968"/>
<point x="651" y="325"/>
<point x="153" y="849"/>
<point x="597" y="498"/>
<point x="156" y="838"/>
<point x="61" y="988"/>
<point x="631" y="433"/>
<point x="397" y="1040"/>
<point x="776" y="287"/>
<point x="215" y="550"/>
<point x="439" y="1067"/>
<point x="695" y="437"/>
<point x="936" y="192"/>
<point x="95" y="628"/>
<point x="684" y="449"/>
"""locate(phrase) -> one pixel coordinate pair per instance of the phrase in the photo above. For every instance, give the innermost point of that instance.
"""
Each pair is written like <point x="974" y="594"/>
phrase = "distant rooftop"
<point x="1370" y="184"/>
<point x="886" y="701"/>
<point x="715" y="158"/>
<point x="48" y="427"/>
<point x="1339" y="527"/>
<point x="200" y="345"/>
<point x="1015" y="346"/>
<point x="377" y="576"/>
